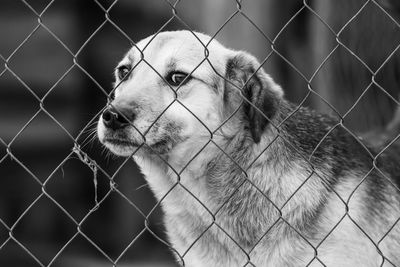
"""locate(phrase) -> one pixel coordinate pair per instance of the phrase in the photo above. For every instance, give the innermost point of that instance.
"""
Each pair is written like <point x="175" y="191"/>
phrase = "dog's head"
<point x="178" y="86"/>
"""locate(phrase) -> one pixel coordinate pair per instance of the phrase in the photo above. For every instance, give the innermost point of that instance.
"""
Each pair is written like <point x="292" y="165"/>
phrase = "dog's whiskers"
<point x="89" y="126"/>
<point x="89" y="138"/>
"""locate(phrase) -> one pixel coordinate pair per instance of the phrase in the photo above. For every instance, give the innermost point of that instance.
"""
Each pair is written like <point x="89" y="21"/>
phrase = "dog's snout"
<point x="117" y="119"/>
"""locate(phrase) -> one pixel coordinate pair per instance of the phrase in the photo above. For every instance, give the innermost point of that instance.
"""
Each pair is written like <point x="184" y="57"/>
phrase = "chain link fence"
<point x="47" y="185"/>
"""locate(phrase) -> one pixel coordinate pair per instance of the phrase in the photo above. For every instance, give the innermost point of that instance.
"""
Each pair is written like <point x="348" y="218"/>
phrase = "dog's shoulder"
<point x="323" y="140"/>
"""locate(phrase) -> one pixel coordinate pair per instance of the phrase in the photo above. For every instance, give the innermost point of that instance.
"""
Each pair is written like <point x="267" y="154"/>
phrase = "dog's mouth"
<point x="125" y="142"/>
<point x="118" y="145"/>
<point x="121" y="147"/>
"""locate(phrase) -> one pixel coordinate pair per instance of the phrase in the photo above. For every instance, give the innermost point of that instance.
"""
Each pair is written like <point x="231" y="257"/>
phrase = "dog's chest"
<point x="193" y="230"/>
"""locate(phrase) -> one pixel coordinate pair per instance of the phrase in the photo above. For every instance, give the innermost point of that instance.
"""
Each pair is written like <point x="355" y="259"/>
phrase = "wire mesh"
<point x="96" y="169"/>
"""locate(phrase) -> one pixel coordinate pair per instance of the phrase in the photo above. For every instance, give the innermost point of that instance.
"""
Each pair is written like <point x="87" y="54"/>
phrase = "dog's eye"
<point x="123" y="72"/>
<point x="176" y="78"/>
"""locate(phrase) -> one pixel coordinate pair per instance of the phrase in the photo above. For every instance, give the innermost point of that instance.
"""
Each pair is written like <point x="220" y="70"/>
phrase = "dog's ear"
<point x="243" y="72"/>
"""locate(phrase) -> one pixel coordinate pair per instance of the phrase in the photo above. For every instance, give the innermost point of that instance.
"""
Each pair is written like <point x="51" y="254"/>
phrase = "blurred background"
<point x="57" y="60"/>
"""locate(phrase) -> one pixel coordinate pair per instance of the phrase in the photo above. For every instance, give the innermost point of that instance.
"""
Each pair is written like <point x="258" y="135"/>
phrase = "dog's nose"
<point x="116" y="119"/>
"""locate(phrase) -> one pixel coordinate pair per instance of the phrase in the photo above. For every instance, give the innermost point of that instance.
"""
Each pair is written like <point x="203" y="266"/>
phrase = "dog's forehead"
<point x="178" y="46"/>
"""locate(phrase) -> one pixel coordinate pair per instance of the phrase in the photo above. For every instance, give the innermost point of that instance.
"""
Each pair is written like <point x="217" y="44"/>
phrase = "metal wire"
<point x="76" y="150"/>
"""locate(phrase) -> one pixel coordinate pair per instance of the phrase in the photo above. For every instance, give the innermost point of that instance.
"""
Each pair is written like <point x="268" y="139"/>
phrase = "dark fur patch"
<point x="248" y="212"/>
<point x="307" y="129"/>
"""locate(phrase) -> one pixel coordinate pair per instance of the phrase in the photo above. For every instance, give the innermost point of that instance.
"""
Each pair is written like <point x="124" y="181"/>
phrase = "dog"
<point x="244" y="177"/>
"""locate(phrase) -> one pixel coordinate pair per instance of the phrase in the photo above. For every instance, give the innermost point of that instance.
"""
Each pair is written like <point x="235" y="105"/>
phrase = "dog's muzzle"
<point x="117" y="119"/>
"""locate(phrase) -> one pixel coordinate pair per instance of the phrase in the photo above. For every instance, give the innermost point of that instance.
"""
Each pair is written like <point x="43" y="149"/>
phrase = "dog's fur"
<point x="277" y="185"/>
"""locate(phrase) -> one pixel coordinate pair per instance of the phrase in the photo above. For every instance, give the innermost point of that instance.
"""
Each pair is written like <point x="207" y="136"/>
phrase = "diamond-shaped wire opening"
<point x="38" y="224"/>
<point x="46" y="135"/>
<point x="40" y="61"/>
